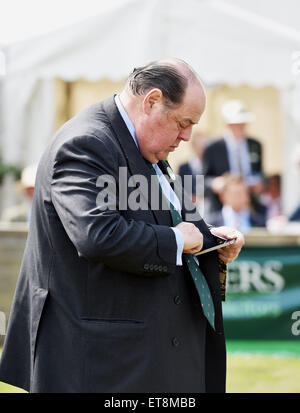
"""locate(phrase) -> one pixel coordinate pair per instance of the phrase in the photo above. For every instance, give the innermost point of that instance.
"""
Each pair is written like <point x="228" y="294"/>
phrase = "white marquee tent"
<point x="254" y="42"/>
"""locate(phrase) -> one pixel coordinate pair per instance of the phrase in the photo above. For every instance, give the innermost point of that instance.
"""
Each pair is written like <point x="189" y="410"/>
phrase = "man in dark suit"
<point x="105" y="300"/>
<point x="235" y="152"/>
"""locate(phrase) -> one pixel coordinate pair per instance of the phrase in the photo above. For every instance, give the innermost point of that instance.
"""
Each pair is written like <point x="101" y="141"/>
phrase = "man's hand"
<point x="229" y="253"/>
<point x="193" y="238"/>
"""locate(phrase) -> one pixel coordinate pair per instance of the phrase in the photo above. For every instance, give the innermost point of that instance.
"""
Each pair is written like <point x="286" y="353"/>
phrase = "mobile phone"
<point x="221" y="243"/>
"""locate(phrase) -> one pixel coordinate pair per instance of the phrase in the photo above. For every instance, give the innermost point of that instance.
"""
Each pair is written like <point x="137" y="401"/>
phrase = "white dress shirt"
<point x="239" y="160"/>
<point x="238" y="220"/>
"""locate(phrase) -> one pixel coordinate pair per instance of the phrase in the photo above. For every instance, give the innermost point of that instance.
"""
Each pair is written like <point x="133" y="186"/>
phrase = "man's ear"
<point x="153" y="98"/>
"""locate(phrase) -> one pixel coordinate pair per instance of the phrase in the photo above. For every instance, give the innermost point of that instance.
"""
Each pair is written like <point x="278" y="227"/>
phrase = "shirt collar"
<point x="229" y="216"/>
<point x="131" y="127"/>
<point x="231" y="140"/>
<point x="126" y="119"/>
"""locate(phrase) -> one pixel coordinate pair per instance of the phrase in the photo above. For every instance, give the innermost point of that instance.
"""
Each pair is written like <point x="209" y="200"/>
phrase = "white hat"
<point x="234" y="111"/>
<point x="28" y="176"/>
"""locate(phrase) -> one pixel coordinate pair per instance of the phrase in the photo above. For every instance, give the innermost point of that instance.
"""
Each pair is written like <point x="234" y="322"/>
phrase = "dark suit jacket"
<point x="216" y="163"/>
<point x="295" y="216"/>
<point x="100" y="305"/>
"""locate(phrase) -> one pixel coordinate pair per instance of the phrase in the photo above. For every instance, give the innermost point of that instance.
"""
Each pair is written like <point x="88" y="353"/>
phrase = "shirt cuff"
<point x="180" y="244"/>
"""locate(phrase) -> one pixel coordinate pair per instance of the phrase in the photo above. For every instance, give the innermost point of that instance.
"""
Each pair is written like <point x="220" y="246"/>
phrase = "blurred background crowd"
<point x="234" y="190"/>
<point x="237" y="192"/>
<point x="247" y="55"/>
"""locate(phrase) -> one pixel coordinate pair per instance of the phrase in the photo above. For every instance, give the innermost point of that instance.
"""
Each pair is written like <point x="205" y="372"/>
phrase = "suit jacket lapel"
<point x="135" y="161"/>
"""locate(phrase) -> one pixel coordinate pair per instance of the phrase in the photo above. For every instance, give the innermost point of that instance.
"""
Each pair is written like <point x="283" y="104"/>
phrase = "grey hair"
<point x="163" y="76"/>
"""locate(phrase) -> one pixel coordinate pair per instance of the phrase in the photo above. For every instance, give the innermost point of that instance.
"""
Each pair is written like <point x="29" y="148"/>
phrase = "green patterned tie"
<point x="198" y="278"/>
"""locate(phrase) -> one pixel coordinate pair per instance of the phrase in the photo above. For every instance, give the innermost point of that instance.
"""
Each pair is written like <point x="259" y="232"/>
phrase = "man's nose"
<point x="185" y="134"/>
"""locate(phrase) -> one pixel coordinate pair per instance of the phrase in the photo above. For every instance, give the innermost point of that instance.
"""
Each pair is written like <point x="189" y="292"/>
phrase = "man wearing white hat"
<point x="21" y="212"/>
<point x="234" y="152"/>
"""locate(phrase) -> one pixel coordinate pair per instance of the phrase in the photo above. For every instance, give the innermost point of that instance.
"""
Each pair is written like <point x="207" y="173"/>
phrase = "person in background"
<point x="194" y="167"/>
<point x="236" y="153"/>
<point x="295" y="215"/>
<point x="271" y="196"/>
<point x="22" y="211"/>
<point x="282" y="221"/>
<point x="236" y="210"/>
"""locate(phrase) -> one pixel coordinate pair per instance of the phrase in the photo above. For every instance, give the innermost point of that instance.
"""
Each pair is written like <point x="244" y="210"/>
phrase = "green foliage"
<point x="6" y="169"/>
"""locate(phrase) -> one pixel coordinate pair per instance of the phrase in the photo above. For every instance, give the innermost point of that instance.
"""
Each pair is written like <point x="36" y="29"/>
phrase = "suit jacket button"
<point x="175" y="342"/>
<point x="155" y="267"/>
<point x="160" y="268"/>
<point x="177" y="299"/>
<point x="151" y="267"/>
<point x="165" y="268"/>
<point x="146" y="267"/>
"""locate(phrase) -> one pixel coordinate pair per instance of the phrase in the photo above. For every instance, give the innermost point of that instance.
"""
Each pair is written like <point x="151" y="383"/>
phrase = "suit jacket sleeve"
<point x="105" y="235"/>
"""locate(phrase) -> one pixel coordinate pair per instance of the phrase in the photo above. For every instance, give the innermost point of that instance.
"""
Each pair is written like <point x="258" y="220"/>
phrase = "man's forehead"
<point x="190" y="113"/>
<point x="194" y="102"/>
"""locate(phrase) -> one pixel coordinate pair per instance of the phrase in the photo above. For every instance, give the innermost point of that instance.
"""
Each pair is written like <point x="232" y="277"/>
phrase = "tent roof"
<point x="233" y="42"/>
<point x="36" y="17"/>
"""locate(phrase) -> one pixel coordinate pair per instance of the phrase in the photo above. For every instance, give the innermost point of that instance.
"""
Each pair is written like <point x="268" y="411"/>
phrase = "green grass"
<point x="263" y="366"/>
<point x="6" y="388"/>
<point x="284" y="348"/>
<point x="252" y="367"/>
<point x="262" y="374"/>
